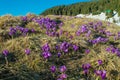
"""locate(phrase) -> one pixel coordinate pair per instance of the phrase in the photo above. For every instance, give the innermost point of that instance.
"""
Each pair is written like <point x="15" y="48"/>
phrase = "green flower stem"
<point x="12" y="42"/>
<point x="6" y="61"/>
<point x="26" y="57"/>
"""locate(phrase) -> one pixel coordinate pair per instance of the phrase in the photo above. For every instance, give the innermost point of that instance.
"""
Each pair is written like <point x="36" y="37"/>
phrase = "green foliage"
<point x="94" y="6"/>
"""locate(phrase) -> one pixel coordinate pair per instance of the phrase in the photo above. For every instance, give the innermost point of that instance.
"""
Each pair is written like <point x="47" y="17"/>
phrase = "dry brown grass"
<point x="35" y="63"/>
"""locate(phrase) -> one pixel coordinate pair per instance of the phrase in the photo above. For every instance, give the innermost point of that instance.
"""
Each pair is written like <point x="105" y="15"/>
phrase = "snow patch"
<point x="102" y="16"/>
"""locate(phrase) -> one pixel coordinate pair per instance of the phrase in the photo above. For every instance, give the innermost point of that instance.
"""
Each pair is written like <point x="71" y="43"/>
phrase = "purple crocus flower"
<point x="104" y="40"/>
<point x="59" y="79"/>
<point x="115" y="37"/>
<point x="95" y="26"/>
<point x="113" y="50"/>
<point x="64" y="46"/>
<point x="90" y="23"/>
<point x="99" y="39"/>
<point x="63" y="76"/>
<point x="57" y="47"/>
<point x="101" y="73"/>
<point x="63" y="68"/>
<point x="86" y="71"/>
<point x="32" y="30"/>
<point x="99" y="62"/>
<point x="84" y="28"/>
<point x="87" y="51"/>
<point x="103" y="31"/>
<point x="12" y="29"/>
<point x="98" y="72"/>
<point x="75" y="47"/>
<point x="71" y="37"/>
<point x="53" y="69"/>
<point x="78" y="32"/>
<point x="24" y="18"/>
<point x="59" y="54"/>
<point x="11" y="33"/>
<point x="21" y="29"/>
<point x="88" y="33"/>
<point x="27" y="51"/>
<point x="99" y="23"/>
<point x="46" y="55"/>
<point x="66" y="50"/>
<point x="108" y="33"/>
<point x="94" y="41"/>
<point x="5" y="52"/>
<point x="108" y="49"/>
<point x="25" y="30"/>
<point x="45" y="47"/>
<point x="86" y="67"/>
<point x="118" y="34"/>
<point x="61" y="24"/>
<point x="118" y="54"/>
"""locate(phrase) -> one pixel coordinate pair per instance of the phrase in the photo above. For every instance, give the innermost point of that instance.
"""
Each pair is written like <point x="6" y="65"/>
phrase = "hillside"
<point x="94" y="6"/>
<point x="58" y="48"/>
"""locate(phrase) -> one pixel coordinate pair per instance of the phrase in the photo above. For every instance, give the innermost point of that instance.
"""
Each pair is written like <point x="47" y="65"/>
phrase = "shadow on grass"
<point x="10" y="57"/>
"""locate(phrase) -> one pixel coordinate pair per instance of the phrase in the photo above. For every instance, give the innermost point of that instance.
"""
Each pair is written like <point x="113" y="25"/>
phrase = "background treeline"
<point x="93" y="6"/>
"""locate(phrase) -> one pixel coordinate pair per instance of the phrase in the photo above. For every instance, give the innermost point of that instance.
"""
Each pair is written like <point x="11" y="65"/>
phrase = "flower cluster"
<point x="46" y="51"/>
<point x="88" y="33"/>
<point x="117" y="36"/>
<point x="108" y="33"/>
<point x="93" y="32"/>
<point x="19" y="30"/>
<point x="62" y="70"/>
<point x="65" y="47"/>
<point x="49" y="25"/>
<point x="24" y="18"/>
<point x="46" y="47"/>
<point x="82" y="29"/>
<point x="101" y="73"/>
<point x="112" y="49"/>
<point x="96" y="25"/>
<point x="98" y="40"/>
<point x="86" y="68"/>
<point x="87" y="29"/>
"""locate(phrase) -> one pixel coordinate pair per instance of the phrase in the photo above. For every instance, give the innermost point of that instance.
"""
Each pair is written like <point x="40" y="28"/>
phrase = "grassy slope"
<point x="32" y="67"/>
